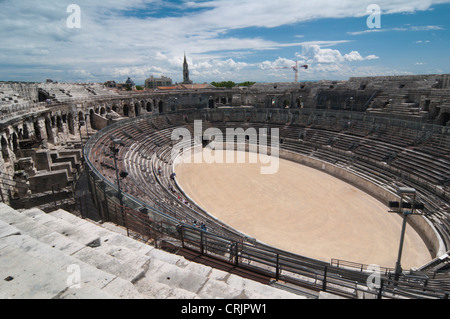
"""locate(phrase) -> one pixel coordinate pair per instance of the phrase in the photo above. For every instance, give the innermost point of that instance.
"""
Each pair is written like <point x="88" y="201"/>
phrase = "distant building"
<point x="130" y="82"/>
<point x="154" y="83"/>
<point x="110" y="84"/>
<point x="128" y="85"/>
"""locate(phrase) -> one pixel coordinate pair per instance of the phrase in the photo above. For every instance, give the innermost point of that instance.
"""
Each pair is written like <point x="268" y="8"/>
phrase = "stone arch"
<point x="137" y="109"/>
<point x="102" y="111"/>
<point x="19" y="132"/>
<point x="70" y="123"/>
<point x="48" y="128"/>
<point x="5" y="151"/>
<point x="91" y="119"/>
<point x="211" y="103"/>
<point x="126" y="110"/>
<point x="25" y="132"/>
<point x="161" y="107"/>
<point x="59" y="124"/>
<point x="149" y="107"/>
<point x="37" y="131"/>
<point x="15" y="143"/>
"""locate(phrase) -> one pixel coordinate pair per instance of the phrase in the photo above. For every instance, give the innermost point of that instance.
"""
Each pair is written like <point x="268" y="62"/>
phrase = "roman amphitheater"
<point x="137" y="194"/>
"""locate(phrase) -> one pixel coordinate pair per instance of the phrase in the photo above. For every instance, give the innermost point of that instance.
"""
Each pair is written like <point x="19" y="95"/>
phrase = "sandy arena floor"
<point x="302" y="210"/>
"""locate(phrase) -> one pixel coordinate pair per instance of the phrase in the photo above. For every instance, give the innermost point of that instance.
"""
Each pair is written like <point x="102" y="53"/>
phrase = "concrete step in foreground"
<point x="58" y="255"/>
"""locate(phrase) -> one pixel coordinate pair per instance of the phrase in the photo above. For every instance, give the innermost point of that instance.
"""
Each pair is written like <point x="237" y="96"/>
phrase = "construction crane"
<point x="295" y="68"/>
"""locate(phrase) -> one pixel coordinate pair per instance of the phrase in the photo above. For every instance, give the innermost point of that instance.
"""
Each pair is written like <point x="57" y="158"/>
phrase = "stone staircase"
<point x="57" y="255"/>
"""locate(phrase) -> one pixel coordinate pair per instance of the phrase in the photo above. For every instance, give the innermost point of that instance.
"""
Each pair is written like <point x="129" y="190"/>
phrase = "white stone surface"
<point x="49" y="256"/>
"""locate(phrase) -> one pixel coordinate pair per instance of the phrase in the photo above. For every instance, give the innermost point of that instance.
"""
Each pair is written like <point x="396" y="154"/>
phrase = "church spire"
<point x="186" y="79"/>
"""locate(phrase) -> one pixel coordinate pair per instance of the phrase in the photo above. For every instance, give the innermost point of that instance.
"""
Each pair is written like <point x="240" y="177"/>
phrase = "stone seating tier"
<point x="58" y="255"/>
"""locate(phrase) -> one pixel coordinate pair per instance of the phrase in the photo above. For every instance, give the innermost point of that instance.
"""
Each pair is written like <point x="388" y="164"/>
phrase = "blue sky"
<point x="236" y="40"/>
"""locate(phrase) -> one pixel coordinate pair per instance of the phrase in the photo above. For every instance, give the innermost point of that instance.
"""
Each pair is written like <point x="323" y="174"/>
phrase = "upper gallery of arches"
<point x="417" y="98"/>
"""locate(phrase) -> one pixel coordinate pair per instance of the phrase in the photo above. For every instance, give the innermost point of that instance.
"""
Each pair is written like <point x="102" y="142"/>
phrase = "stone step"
<point x="36" y="270"/>
<point x="40" y="253"/>
<point x="102" y="275"/>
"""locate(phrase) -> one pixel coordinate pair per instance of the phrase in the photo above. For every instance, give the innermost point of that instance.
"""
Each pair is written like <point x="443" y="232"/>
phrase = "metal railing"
<point x="302" y="272"/>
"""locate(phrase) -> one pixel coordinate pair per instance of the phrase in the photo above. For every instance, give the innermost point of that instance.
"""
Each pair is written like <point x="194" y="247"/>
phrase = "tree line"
<point x="230" y="84"/>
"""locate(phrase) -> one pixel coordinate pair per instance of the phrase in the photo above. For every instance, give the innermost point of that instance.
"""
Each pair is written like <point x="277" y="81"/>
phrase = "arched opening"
<point x="149" y="107"/>
<point x="59" y="124"/>
<point x="48" y="129"/>
<point x="19" y="132"/>
<point x="37" y="131"/>
<point x="70" y="123"/>
<point x="102" y="111"/>
<point x="126" y="111"/>
<point x="114" y="108"/>
<point x="161" y="107"/>
<point x="25" y="132"/>
<point x="91" y="119"/>
<point x="426" y="106"/>
<point x="137" y="109"/>
<point x="15" y="142"/>
<point x="5" y="153"/>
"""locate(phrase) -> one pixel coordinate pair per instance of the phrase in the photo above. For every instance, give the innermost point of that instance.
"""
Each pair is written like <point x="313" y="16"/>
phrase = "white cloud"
<point x="278" y="63"/>
<point x="114" y="42"/>
<point x="371" y="57"/>
<point x="314" y="54"/>
<point x="405" y="28"/>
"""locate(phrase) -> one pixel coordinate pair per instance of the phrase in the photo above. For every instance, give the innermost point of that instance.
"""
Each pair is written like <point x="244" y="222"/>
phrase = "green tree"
<point x="246" y="83"/>
<point x="227" y="84"/>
